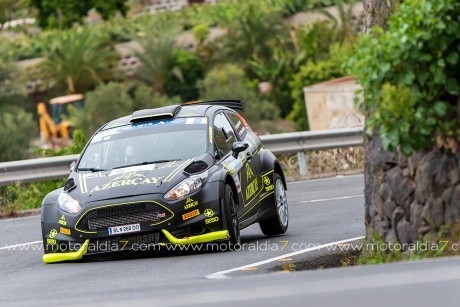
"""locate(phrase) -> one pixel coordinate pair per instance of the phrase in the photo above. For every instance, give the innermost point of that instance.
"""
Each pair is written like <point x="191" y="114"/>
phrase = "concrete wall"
<point x="330" y="105"/>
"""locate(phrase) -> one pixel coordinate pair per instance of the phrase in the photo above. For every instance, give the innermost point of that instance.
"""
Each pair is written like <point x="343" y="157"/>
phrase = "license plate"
<point x="124" y="229"/>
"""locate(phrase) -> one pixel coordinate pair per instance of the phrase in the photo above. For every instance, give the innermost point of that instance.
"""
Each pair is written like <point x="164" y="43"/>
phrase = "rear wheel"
<point x="278" y="224"/>
<point x="231" y="216"/>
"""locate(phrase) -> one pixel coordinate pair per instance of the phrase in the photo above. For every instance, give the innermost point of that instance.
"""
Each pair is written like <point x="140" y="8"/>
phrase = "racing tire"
<point x="278" y="224"/>
<point x="231" y="217"/>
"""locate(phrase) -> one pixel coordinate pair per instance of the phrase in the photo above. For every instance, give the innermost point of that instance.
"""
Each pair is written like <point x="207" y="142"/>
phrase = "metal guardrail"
<point x="295" y="142"/>
<point x="35" y="169"/>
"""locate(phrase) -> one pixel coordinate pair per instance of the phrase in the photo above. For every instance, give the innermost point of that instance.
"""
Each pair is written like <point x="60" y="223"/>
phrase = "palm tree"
<point x="80" y="59"/>
<point x="156" y="55"/>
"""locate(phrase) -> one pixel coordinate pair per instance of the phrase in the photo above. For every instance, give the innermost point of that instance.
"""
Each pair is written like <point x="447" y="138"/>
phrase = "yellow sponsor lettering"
<point x="136" y="181"/>
<point x="252" y="188"/>
<point x="125" y="182"/>
<point x="190" y="203"/>
<point x="116" y="184"/>
<point x="249" y="172"/>
<point x="212" y="220"/>
<point x="269" y="188"/>
<point x="51" y="241"/>
<point x="62" y="221"/>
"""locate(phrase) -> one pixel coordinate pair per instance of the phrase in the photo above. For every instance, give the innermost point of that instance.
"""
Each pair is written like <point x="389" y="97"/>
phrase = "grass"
<point x="445" y="243"/>
<point x="14" y="198"/>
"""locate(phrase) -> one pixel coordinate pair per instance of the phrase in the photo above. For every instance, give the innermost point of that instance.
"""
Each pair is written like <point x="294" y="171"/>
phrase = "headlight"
<point x="68" y="204"/>
<point x="186" y="187"/>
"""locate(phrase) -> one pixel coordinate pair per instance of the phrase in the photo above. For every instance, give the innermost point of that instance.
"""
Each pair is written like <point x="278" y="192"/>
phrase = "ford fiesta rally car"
<point x="186" y="174"/>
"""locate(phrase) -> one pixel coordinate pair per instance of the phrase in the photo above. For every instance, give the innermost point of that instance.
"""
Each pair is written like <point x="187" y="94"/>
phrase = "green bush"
<point x="418" y="57"/>
<point x="144" y="97"/>
<point x="229" y="82"/>
<point x="253" y="32"/>
<point x="25" y="196"/>
<point x="309" y="74"/>
<point x="17" y="128"/>
<point x="189" y="69"/>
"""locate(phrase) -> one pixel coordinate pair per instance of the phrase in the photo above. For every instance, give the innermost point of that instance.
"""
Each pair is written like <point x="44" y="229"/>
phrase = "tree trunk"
<point x="375" y="157"/>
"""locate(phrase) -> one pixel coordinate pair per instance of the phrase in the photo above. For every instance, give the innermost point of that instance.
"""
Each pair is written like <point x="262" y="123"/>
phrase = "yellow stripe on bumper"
<point x="207" y="237"/>
<point x="59" y="257"/>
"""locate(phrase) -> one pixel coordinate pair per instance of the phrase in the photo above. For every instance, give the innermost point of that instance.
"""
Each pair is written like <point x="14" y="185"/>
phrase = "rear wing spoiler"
<point x="229" y="103"/>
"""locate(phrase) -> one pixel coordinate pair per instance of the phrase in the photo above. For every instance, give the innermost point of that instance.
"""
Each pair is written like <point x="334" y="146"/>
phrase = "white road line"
<point x="18" y="245"/>
<point x="222" y="274"/>
<point x="327" y="199"/>
<point x="325" y="179"/>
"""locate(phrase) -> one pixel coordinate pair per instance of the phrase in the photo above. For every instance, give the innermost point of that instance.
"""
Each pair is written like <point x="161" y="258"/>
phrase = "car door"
<point x="224" y="136"/>
<point x="251" y="180"/>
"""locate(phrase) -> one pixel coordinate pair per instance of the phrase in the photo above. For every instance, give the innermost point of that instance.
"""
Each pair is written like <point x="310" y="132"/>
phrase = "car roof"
<point x="192" y="109"/>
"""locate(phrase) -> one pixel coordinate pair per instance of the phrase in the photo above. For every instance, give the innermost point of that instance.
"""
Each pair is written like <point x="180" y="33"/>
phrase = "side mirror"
<point x="72" y="165"/>
<point x="238" y="147"/>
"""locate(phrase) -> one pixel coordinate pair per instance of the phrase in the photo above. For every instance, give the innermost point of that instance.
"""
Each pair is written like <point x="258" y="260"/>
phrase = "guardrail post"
<point x="302" y="163"/>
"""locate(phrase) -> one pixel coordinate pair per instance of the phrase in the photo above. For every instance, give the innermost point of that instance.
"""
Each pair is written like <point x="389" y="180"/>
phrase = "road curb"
<point x="22" y="213"/>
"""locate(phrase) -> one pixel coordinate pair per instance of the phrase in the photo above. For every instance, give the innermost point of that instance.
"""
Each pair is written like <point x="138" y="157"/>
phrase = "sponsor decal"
<point x="229" y="168"/>
<point x="190" y="114"/>
<point x="132" y="169"/>
<point x="62" y="221"/>
<point x="51" y="241"/>
<point x="267" y="183"/>
<point x="249" y="172"/>
<point x="252" y="188"/>
<point x="65" y="231"/>
<point x="211" y="220"/>
<point x="161" y="215"/>
<point x="190" y="214"/>
<point x="210" y="135"/>
<point x="130" y="179"/>
<point x="190" y="203"/>
<point x="53" y="233"/>
<point x="208" y="212"/>
<point x="266" y="180"/>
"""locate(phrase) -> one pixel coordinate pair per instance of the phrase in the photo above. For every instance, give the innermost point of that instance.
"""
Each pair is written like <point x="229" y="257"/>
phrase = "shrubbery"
<point x="410" y="76"/>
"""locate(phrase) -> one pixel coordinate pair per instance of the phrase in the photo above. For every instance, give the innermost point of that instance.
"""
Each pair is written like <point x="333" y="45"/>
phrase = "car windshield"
<point x="144" y="143"/>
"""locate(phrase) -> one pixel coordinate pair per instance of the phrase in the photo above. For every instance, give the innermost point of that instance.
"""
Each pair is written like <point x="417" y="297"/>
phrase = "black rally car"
<point x="181" y="174"/>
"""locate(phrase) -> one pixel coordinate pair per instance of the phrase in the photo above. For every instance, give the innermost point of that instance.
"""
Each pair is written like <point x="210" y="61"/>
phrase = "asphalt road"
<point x="321" y="211"/>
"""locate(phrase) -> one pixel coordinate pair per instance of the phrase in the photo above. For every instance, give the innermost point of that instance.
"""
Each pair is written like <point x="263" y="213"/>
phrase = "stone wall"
<point x="412" y="197"/>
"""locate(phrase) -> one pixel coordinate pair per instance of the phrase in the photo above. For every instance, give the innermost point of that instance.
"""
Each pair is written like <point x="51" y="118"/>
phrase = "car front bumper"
<point x="194" y="219"/>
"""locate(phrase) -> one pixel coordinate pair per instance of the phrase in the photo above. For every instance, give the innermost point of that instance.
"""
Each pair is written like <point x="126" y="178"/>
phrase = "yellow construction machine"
<point x="54" y="129"/>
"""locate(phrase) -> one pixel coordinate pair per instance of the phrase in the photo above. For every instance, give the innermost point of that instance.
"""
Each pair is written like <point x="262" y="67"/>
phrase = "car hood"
<point x="129" y="181"/>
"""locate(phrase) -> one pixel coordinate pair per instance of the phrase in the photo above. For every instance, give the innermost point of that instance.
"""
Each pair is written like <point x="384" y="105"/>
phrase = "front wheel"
<point x="278" y="224"/>
<point x="231" y="216"/>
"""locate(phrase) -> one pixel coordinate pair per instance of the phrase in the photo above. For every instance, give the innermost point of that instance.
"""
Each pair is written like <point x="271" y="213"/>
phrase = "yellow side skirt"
<point x="207" y="237"/>
<point x="58" y="257"/>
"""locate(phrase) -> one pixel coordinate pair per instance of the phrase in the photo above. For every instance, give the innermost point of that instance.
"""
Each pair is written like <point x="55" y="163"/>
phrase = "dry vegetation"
<point x="324" y="163"/>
